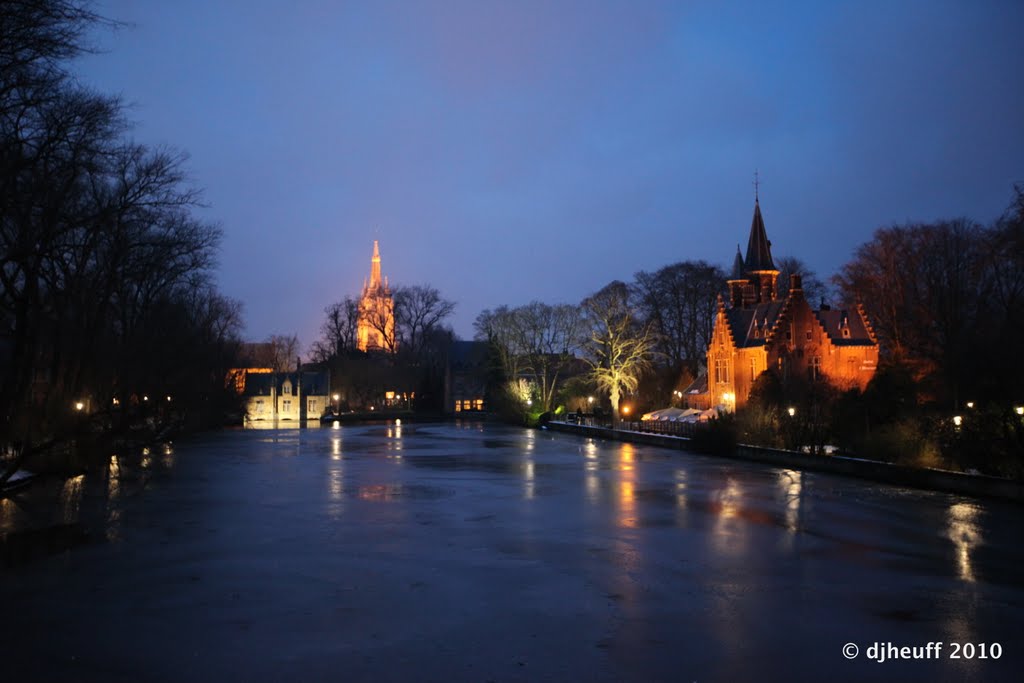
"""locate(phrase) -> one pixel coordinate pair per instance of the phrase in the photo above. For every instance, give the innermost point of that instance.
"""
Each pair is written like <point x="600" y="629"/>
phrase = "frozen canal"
<point x="478" y="553"/>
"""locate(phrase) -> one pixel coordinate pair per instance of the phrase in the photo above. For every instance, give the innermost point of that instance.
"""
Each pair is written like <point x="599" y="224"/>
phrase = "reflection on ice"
<point x="729" y="532"/>
<point x="71" y="498"/>
<point x="627" y="486"/>
<point x="966" y="536"/>
<point x="791" y="485"/>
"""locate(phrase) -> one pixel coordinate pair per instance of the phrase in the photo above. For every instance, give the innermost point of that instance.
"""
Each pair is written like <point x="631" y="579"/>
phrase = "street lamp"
<point x="79" y="406"/>
<point x="337" y="406"/>
<point x="791" y="410"/>
<point x="1019" y="410"/>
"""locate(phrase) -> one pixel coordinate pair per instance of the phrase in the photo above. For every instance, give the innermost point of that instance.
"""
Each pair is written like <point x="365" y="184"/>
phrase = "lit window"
<point x="816" y="367"/>
<point x="458" y="406"/>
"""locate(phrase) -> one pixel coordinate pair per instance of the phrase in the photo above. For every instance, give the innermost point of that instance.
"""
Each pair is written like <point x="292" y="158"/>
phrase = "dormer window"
<point x="286" y="388"/>
<point x="846" y="333"/>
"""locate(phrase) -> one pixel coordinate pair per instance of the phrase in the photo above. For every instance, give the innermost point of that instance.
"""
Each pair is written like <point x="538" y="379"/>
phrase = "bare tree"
<point x="419" y="310"/>
<point x="338" y="332"/>
<point x="815" y="290"/>
<point x="537" y="341"/>
<point x="679" y="300"/>
<point x="621" y="347"/>
<point x="284" y="350"/>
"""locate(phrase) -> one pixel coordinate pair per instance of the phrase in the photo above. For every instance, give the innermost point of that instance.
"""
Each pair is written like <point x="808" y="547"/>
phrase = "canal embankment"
<point x="899" y="475"/>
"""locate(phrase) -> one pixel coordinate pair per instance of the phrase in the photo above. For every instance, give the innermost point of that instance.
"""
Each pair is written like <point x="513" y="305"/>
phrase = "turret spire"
<point x="759" y="249"/>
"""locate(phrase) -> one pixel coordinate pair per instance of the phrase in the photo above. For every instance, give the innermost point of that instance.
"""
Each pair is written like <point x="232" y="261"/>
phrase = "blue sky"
<point x="505" y="152"/>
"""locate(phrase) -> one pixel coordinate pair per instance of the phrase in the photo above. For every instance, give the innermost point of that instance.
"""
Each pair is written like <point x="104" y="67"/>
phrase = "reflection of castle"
<point x="376" y="326"/>
<point x="756" y="331"/>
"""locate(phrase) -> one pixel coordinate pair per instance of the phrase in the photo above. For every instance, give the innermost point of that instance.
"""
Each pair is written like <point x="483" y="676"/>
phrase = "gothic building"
<point x="755" y="331"/>
<point x="375" y="330"/>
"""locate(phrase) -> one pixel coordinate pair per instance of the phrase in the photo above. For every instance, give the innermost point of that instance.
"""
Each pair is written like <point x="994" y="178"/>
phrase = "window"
<point x="478" y="404"/>
<point x="286" y="406"/>
<point x="458" y="406"/>
<point x="846" y="333"/>
<point x="721" y="371"/>
<point x="311" y="406"/>
<point x="286" y="389"/>
<point x="816" y="368"/>
<point x="753" y="370"/>
<point x="808" y="334"/>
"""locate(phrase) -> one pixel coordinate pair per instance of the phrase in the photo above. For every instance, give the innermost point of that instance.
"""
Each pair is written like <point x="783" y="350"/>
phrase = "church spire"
<point x="375" y="267"/>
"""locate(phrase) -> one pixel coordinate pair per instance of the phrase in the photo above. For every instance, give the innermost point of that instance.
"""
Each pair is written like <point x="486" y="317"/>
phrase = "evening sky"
<point x="504" y="152"/>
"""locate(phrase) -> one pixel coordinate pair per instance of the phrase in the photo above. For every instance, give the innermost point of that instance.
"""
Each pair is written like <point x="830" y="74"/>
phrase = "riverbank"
<point x="928" y="479"/>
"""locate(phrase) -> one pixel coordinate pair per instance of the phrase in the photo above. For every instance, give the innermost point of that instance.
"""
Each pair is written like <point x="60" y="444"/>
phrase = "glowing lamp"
<point x="958" y="420"/>
<point x="1019" y="410"/>
<point x="79" y="406"/>
<point x="791" y="410"/>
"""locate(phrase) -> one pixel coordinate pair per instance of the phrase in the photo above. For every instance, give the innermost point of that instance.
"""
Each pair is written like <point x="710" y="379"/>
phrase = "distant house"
<point x="465" y="378"/>
<point x="755" y="331"/>
<point x="287" y="395"/>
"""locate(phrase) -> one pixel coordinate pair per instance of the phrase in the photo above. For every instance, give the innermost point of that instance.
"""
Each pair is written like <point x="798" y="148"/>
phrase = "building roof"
<point x="759" y="249"/>
<point x="749" y="326"/>
<point x="835" y="321"/>
<point x="466" y="354"/>
<point x="313" y="383"/>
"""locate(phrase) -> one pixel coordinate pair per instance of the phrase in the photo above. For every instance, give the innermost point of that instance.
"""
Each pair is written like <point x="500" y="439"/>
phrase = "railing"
<point x="687" y="429"/>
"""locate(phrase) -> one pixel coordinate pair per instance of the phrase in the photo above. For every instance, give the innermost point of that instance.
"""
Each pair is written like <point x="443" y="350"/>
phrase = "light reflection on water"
<point x="71" y="498"/>
<point x="591" y="468"/>
<point x="965" y="534"/>
<point x="791" y="486"/>
<point x="730" y="529"/>
<point x="627" y="486"/>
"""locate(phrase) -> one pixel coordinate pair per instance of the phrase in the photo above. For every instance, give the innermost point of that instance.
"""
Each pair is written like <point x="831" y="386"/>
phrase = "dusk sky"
<point x="505" y="152"/>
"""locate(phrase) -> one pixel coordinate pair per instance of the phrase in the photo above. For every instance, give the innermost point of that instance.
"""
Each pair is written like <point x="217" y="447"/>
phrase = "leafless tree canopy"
<point x="100" y="253"/>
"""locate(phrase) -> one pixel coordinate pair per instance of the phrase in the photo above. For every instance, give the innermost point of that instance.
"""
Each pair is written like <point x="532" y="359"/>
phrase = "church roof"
<point x="759" y="249"/>
<point x="749" y="326"/>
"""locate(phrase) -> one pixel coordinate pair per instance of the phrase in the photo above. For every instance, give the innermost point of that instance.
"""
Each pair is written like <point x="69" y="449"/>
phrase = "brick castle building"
<point x="755" y="331"/>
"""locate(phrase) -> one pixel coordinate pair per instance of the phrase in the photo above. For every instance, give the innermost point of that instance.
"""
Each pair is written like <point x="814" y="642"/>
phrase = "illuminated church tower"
<point x="376" y="327"/>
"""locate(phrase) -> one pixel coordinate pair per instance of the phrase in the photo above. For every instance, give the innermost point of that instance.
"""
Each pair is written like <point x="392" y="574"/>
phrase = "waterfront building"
<point x="755" y="331"/>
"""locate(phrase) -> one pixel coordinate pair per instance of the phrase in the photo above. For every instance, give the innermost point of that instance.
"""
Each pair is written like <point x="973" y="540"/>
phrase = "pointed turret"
<point x="760" y="269"/>
<point x="737" y="281"/>
<point x="759" y="249"/>
<point x="737" y="266"/>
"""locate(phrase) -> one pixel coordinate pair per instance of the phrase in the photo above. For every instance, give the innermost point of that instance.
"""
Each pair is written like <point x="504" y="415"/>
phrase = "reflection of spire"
<point x="375" y="267"/>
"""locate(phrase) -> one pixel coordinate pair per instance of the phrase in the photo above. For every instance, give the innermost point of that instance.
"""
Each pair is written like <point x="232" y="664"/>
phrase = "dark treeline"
<point x="106" y="296"/>
<point x="411" y="364"/>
